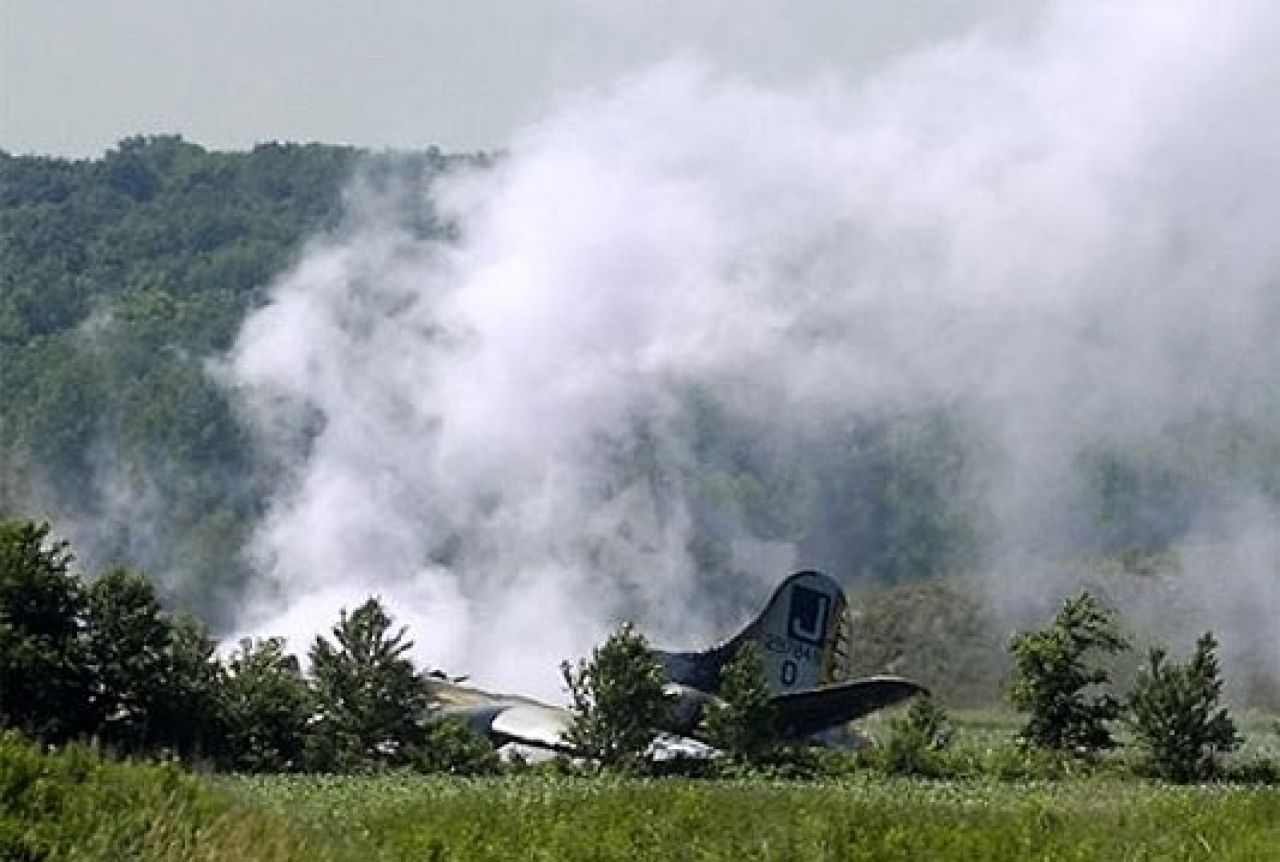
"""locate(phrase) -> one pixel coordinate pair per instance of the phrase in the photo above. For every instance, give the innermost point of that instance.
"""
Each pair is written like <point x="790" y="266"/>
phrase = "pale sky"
<point x="78" y="75"/>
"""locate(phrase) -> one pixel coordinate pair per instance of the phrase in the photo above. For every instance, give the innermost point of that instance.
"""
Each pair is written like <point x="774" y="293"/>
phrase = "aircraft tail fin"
<point x="804" y="636"/>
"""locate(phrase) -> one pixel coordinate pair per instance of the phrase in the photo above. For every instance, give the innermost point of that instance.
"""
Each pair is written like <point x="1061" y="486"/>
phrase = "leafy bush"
<point x="619" y="701"/>
<point x="916" y="737"/>
<point x="455" y="749"/>
<point x="1051" y="675"/>
<point x="1175" y="716"/>
<point x="744" y="722"/>
<point x="73" y="804"/>
<point x="1258" y="770"/>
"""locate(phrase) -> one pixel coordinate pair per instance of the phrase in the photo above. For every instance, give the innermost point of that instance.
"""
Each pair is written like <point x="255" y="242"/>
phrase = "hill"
<point x="120" y="278"/>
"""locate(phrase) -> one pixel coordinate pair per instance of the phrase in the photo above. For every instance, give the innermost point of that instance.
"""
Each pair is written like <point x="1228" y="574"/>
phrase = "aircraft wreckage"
<point x="804" y="635"/>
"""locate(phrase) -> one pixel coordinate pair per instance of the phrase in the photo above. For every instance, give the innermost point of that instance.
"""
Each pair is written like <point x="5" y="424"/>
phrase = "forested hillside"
<point x="120" y="278"/>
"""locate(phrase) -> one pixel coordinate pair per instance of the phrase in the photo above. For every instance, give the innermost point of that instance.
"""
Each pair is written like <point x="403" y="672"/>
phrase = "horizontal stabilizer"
<point x="806" y="712"/>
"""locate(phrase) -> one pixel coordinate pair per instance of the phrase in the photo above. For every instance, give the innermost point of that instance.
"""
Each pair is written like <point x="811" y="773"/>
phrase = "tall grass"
<point x="74" y="804"/>
<point x="579" y="819"/>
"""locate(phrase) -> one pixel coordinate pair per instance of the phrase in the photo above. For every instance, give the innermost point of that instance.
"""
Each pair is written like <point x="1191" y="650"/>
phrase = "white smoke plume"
<point x="1068" y="232"/>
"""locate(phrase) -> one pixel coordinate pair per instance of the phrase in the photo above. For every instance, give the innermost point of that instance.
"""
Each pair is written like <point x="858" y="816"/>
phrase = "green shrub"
<point x="73" y="804"/>
<point x="619" y="701"/>
<point x="916" y="738"/>
<point x="1258" y="770"/>
<point x="744" y="722"/>
<point x="455" y="749"/>
<point x="1052" y="674"/>
<point x="1175" y="716"/>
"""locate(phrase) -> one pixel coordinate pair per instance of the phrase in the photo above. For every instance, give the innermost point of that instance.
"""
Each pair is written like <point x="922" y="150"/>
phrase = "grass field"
<point x="866" y="816"/>
<point x="75" y="805"/>
<point x="572" y="819"/>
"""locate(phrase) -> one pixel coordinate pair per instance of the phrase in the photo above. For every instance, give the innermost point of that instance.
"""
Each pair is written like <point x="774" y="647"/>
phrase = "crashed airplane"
<point x="804" y="636"/>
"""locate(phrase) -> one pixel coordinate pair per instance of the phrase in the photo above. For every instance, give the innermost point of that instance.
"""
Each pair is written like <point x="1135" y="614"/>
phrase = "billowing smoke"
<point x="1064" y="237"/>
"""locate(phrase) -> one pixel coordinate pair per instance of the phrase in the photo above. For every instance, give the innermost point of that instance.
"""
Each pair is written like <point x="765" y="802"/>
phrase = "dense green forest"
<point x="120" y="278"/>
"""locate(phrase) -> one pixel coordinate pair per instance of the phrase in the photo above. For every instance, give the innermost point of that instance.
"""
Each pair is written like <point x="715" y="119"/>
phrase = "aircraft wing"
<point x="514" y="720"/>
<point x="802" y="713"/>
<point x="539" y="725"/>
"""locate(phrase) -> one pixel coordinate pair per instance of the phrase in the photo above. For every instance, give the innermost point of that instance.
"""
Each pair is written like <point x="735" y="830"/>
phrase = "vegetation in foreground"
<point x="73" y="804"/>
<point x="76" y="804"/>
<point x="568" y="819"/>
<point x="121" y="668"/>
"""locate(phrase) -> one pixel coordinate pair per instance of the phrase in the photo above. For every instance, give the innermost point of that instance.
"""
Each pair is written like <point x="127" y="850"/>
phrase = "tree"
<point x="265" y="707"/>
<point x="372" y="707"/>
<point x="744" y="723"/>
<point x="185" y="714"/>
<point x="44" y="688"/>
<point x="619" y="701"/>
<point x="1175" y="716"/>
<point x="1051" y="674"/>
<point x="126" y="640"/>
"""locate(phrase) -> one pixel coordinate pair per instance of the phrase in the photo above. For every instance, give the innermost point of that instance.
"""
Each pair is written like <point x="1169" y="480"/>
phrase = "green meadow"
<point x="72" y="804"/>
<point x="881" y="819"/>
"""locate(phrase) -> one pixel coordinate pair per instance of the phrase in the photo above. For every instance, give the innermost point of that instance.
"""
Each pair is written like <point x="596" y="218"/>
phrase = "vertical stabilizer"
<point x="804" y="635"/>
